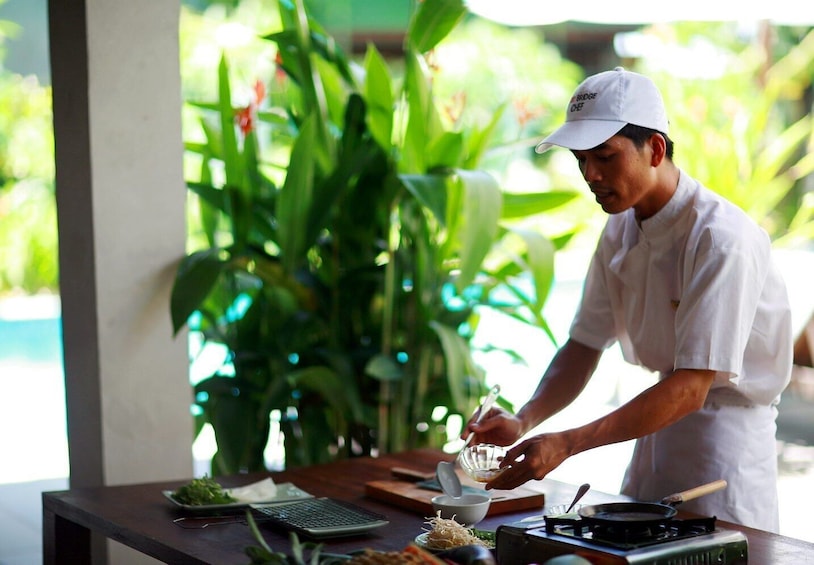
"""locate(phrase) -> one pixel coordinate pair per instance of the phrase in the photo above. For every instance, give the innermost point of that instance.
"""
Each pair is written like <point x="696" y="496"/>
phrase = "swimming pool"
<point x="37" y="340"/>
<point x="33" y="432"/>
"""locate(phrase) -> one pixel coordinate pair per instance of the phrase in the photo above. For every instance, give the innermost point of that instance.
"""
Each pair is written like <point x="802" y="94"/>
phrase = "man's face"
<point x="621" y="176"/>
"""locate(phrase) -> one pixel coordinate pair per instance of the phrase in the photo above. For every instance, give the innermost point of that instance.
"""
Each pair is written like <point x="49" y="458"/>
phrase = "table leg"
<point x="63" y="541"/>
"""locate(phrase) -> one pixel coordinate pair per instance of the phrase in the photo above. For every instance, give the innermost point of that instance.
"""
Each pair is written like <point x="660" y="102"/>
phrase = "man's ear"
<point x="658" y="148"/>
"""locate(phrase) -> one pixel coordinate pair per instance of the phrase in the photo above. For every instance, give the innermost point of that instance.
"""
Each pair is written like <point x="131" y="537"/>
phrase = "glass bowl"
<point x="481" y="462"/>
<point x="561" y="511"/>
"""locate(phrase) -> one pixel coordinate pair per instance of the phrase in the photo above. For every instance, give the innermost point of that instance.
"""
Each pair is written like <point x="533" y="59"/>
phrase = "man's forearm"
<point x="655" y="408"/>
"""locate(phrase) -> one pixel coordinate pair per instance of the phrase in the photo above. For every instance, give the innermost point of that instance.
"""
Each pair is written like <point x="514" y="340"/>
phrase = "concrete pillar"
<point x="120" y="199"/>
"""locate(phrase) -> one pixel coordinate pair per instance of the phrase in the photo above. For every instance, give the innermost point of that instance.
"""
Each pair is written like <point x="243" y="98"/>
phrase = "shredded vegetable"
<point x="446" y="534"/>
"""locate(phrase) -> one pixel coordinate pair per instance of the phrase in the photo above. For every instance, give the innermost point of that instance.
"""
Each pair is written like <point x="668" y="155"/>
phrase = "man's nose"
<point x="590" y="172"/>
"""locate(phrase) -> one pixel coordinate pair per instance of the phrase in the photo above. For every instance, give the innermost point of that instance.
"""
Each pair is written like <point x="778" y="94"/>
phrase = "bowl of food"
<point x="481" y="462"/>
<point x="467" y="509"/>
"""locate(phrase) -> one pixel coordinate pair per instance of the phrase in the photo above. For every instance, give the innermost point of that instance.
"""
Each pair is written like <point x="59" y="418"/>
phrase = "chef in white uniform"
<point x="685" y="282"/>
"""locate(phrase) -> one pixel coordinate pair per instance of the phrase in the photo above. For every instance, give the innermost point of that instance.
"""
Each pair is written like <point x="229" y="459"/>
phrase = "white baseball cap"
<point x="605" y="103"/>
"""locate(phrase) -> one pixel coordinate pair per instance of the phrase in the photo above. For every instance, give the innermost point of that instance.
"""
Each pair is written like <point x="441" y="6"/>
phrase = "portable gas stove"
<point x="691" y="541"/>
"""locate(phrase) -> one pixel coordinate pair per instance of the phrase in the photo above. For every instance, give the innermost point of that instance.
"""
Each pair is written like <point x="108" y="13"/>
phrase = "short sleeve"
<point x="593" y="324"/>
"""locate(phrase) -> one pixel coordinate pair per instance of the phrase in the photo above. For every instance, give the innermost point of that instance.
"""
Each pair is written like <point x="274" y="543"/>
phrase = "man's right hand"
<point x="497" y="426"/>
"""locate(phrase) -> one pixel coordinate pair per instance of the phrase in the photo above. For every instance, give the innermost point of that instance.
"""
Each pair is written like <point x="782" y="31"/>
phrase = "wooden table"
<point x="140" y="516"/>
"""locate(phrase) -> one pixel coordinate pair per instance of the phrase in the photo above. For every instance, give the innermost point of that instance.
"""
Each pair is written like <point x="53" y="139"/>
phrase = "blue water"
<point x="32" y="340"/>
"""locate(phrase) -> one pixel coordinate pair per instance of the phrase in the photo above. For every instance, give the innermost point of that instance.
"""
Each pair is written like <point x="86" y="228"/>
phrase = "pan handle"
<point x="683" y="496"/>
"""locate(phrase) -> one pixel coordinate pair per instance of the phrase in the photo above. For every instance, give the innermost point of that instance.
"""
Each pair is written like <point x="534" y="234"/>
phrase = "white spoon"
<point x="445" y="470"/>
<point x="448" y="479"/>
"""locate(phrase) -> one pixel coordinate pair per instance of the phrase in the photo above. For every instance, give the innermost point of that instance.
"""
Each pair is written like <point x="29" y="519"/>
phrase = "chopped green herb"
<point x="489" y="536"/>
<point x="202" y="491"/>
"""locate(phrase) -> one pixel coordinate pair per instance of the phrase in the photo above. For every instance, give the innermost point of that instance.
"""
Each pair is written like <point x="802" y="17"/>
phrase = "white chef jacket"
<point x="694" y="287"/>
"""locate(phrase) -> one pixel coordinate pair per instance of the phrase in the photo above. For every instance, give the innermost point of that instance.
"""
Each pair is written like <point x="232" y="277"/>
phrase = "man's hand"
<point x="531" y="459"/>
<point x="497" y="426"/>
<point x="659" y="406"/>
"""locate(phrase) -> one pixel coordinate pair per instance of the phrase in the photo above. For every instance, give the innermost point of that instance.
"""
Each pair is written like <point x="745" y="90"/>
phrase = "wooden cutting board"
<point x="412" y="496"/>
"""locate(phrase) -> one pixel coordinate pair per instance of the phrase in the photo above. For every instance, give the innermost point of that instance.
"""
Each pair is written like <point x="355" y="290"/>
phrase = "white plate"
<point x="285" y="492"/>
<point x="422" y="542"/>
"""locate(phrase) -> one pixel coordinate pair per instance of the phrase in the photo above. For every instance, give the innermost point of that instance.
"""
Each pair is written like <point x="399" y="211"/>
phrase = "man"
<point x="684" y="281"/>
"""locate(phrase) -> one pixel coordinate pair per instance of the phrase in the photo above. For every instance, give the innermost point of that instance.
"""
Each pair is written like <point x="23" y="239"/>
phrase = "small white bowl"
<point x="467" y="510"/>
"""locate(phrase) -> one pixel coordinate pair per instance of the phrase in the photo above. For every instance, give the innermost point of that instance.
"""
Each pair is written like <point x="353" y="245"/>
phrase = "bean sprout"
<point x="446" y="534"/>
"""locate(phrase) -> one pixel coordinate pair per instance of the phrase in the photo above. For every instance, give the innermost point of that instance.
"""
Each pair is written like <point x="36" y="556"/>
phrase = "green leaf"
<point x="522" y="205"/>
<point x="379" y="98"/>
<point x="231" y="153"/>
<point x="267" y="551"/>
<point x="240" y="213"/>
<point x="296" y="50"/>
<point x="287" y="46"/>
<point x="384" y="368"/>
<point x="478" y="141"/>
<point x="478" y="221"/>
<point x="289" y="40"/>
<point x="359" y="158"/>
<point x="214" y="197"/>
<point x="540" y="253"/>
<point x="419" y="108"/>
<point x="276" y="118"/>
<point x="240" y="427"/>
<point x="424" y="123"/>
<point x="296" y="196"/>
<point x="196" y="276"/>
<point x="805" y="166"/>
<point x="432" y="22"/>
<point x="771" y="160"/>
<point x="335" y="91"/>
<point x="336" y="391"/>
<point x="214" y="141"/>
<point x="446" y="151"/>
<point x="458" y="363"/>
<point x="430" y="191"/>
<point x="330" y="51"/>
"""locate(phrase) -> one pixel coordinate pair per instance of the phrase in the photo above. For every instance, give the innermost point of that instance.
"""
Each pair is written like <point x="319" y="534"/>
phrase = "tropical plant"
<point x="747" y="132"/>
<point x="28" y="227"/>
<point x="350" y="242"/>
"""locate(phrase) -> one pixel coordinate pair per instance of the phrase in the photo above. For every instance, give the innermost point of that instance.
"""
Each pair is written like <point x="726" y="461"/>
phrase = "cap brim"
<point x="580" y="135"/>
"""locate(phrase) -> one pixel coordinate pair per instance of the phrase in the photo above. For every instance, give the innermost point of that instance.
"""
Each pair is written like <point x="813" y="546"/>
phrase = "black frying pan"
<point x="643" y="513"/>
